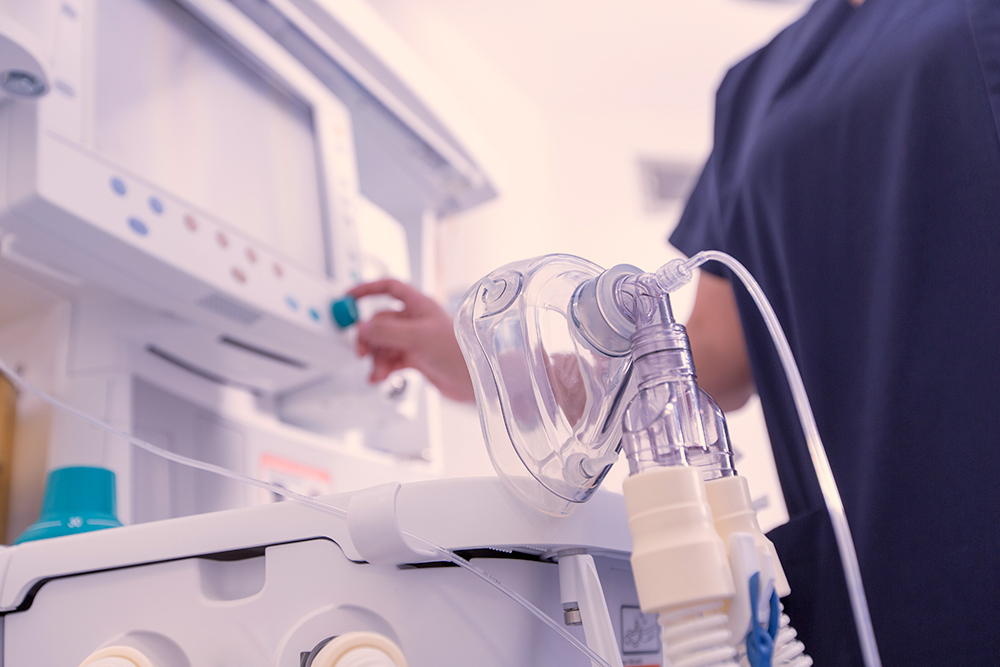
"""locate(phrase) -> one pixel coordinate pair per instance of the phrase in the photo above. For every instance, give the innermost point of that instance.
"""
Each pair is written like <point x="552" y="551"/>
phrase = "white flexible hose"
<point x="673" y="275"/>
<point x="788" y="650"/>
<point x="697" y="637"/>
<point x="16" y="378"/>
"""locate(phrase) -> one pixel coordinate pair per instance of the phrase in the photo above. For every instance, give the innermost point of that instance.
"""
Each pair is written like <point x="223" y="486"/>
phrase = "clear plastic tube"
<point x="675" y="274"/>
<point x="16" y="378"/>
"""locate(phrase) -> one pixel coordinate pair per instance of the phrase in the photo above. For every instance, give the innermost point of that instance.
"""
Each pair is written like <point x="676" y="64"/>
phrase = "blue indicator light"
<point x="138" y="226"/>
<point x="313" y="313"/>
<point x="118" y="185"/>
<point x="292" y="303"/>
<point x="156" y="205"/>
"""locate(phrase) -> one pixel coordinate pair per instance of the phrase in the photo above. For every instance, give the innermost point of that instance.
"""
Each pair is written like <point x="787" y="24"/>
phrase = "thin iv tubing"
<point x="16" y="378"/>
<point x="675" y="274"/>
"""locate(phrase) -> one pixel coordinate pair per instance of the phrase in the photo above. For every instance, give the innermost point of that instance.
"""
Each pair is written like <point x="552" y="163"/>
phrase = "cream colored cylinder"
<point x="678" y="558"/>
<point x="365" y="657"/>
<point x="360" y="649"/>
<point x="117" y="656"/>
<point x="113" y="661"/>
<point x="733" y="510"/>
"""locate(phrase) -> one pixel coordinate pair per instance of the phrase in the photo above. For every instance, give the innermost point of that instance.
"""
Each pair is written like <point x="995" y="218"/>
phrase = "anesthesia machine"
<point x="189" y="185"/>
<point x="197" y="181"/>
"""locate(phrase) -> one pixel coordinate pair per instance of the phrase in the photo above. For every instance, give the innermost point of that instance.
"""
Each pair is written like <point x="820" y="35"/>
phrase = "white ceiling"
<point x="563" y="97"/>
<point x="650" y="54"/>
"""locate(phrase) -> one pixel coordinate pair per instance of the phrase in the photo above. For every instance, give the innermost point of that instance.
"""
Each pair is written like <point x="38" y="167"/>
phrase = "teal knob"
<point x="345" y="311"/>
<point x="77" y="500"/>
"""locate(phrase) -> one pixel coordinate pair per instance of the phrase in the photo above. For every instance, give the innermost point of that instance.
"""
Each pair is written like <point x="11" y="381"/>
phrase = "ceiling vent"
<point x="665" y="183"/>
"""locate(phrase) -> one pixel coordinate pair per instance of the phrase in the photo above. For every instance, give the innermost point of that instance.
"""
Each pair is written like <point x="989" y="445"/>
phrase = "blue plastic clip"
<point x="760" y="643"/>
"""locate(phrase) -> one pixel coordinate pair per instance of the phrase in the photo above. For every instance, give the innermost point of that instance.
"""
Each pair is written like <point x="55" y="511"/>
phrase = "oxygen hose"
<point x="675" y="274"/>
<point x="450" y="556"/>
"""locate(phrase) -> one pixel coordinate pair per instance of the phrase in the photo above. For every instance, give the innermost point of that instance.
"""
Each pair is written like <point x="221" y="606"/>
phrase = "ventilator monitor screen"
<point x="177" y="108"/>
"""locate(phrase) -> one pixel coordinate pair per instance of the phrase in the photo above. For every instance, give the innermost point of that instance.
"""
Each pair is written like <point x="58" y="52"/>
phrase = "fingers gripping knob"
<point x="344" y="311"/>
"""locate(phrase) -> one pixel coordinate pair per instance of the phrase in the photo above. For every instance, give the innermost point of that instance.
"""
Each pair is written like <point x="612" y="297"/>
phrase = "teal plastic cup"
<point x="77" y="500"/>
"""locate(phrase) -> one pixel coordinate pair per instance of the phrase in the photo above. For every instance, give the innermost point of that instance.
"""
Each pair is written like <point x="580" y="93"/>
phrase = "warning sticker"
<point x="299" y="477"/>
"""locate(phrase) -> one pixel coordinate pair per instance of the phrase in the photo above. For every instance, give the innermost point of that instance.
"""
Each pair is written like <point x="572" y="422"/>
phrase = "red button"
<point x="251" y="255"/>
<point x="278" y="271"/>
<point x="190" y="223"/>
<point x="239" y="275"/>
<point x="222" y="239"/>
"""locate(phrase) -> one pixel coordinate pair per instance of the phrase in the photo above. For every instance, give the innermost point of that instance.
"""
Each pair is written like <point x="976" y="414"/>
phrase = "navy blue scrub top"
<point x="856" y="173"/>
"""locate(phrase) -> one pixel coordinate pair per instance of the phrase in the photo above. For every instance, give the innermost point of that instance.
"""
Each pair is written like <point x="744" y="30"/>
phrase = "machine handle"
<point x="581" y="591"/>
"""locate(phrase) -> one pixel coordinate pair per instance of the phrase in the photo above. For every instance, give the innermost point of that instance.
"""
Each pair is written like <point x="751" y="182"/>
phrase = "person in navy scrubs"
<point x="856" y="173"/>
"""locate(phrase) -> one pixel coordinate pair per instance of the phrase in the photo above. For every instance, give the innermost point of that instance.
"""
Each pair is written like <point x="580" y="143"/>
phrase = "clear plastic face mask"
<point x="550" y="401"/>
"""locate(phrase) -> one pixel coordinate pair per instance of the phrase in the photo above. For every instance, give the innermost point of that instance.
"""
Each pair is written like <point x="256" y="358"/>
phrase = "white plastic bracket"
<point x="374" y="528"/>
<point x="9" y="253"/>
<point x="580" y="586"/>
<point x="746" y="560"/>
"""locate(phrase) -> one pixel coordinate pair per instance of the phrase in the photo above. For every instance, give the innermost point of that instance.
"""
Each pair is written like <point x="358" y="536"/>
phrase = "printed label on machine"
<point x="294" y="476"/>
<point x="640" y="638"/>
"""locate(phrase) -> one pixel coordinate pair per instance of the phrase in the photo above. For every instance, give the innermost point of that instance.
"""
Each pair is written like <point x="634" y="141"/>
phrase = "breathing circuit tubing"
<point x="16" y="378"/>
<point x="675" y="274"/>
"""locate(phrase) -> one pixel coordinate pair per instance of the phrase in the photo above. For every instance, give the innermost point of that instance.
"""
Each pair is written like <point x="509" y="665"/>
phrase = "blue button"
<point x="138" y="226"/>
<point x="156" y="205"/>
<point x="313" y="313"/>
<point x="118" y="185"/>
<point x="292" y="303"/>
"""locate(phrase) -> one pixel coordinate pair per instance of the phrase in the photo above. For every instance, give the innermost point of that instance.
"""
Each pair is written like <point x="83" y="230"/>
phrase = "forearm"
<point x="718" y="345"/>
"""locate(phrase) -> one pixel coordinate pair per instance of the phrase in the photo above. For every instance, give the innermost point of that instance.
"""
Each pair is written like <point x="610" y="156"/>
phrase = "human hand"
<point x="420" y="336"/>
<point x="566" y="380"/>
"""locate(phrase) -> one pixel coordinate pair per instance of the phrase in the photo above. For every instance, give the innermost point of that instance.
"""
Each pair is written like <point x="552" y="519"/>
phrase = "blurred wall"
<point x="565" y="99"/>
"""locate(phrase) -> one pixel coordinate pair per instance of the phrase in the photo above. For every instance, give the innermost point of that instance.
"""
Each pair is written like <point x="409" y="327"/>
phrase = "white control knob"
<point x="360" y="649"/>
<point x="117" y="656"/>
